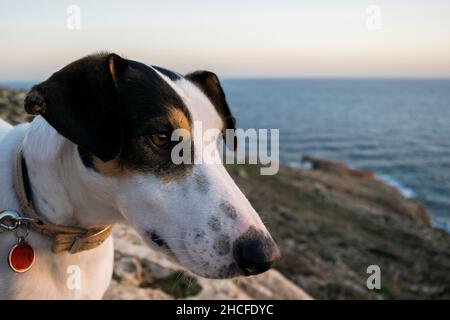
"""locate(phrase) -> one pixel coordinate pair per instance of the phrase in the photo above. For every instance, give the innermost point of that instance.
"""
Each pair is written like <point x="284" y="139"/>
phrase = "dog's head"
<point x="121" y="114"/>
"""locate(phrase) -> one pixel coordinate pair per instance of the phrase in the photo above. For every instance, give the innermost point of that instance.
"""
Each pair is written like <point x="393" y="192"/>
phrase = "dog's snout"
<point x="255" y="252"/>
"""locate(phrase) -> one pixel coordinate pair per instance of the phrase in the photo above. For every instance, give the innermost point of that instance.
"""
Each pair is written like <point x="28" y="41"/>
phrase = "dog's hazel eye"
<point x="160" y="140"/>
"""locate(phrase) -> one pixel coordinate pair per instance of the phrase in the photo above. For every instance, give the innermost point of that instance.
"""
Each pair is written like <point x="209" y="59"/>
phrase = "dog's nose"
<point x="254" y="252"/>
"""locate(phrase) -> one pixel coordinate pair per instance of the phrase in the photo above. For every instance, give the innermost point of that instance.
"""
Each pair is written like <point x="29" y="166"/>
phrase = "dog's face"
<point x="121" y="114"/>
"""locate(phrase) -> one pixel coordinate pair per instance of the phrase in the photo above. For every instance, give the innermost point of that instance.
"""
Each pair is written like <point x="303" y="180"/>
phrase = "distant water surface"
<point x="400" y="129"/>
<point x="23" y="85"/>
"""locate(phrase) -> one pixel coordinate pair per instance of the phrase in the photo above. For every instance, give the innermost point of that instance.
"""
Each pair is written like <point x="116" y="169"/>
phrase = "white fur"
<point x="47" y="279"/>
<point x="67" y="193"/>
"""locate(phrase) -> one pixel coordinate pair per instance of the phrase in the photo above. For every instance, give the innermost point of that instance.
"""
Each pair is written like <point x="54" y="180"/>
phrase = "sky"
<point x="235" y="39"/>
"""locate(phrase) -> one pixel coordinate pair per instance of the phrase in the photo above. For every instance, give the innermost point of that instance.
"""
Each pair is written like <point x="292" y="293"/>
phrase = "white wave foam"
<point x="441" y="223"/>
<point x="299" y="165"/>
<point x="390" y="181"/>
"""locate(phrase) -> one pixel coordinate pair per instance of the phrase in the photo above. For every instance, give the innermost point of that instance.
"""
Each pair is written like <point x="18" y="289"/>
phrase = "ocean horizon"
<point x="399" y="128"/>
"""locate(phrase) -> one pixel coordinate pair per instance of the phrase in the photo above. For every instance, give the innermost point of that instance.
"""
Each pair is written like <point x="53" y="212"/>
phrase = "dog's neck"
<point x="64" y="191"/>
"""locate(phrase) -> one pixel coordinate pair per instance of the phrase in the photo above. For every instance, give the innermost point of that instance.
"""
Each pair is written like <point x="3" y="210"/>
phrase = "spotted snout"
<point x="214" y="231"/>
<point x="255" y="252"/>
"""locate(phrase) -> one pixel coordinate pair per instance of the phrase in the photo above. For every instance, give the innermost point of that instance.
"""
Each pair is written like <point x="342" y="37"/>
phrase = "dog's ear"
<point x="81" y="102"/>
<point x="209" y="83"/>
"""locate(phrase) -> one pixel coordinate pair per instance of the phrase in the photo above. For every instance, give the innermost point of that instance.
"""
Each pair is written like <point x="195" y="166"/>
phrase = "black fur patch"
<point x="81" y="103"/>
<point x="147" y="100"/>
<point x="168" y="73"/>
<point x="209" y="83"/>
<point x="87" y="158"/>
<point x="109" y="106"/>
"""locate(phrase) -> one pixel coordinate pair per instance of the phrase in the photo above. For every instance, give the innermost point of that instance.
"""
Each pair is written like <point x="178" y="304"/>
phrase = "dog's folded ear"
<point x="81" y="102"/>
<point x="209" y="83"/>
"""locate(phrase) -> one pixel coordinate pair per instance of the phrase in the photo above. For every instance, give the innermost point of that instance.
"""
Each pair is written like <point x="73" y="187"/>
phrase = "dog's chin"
<point x="219" y="272"/>
<point x="208" y="270"/>
<point x="229" y="274"/>
<point x="205" y="269"/>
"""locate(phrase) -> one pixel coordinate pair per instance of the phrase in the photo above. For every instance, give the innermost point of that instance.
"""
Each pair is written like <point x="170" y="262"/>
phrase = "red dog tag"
<point x="21" y="257"/>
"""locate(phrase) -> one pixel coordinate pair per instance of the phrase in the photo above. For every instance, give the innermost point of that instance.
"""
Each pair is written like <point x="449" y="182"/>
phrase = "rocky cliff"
<point x="331" y="222"/>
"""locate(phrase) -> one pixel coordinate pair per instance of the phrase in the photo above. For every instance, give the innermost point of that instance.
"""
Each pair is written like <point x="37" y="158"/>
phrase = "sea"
<point x="397" y="128"/>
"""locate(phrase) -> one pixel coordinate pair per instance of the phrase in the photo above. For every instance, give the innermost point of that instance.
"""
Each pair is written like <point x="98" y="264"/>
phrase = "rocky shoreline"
<point x="331" y="222"/>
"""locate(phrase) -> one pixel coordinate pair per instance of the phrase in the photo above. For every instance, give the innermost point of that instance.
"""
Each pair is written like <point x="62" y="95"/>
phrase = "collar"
<point x="64" y="238"/>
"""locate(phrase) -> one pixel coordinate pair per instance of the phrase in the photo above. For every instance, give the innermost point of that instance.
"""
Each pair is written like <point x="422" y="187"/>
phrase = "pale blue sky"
<point x="253" y="38"/>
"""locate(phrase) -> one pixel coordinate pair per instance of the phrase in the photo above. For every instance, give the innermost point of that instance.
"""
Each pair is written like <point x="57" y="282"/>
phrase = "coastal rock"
<point x="337" y="168"/>
<point x="11" y="106"/>
<point x="119" y="291"/>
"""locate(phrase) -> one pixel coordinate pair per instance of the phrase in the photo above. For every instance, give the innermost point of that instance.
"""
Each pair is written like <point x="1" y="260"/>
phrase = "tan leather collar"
<point x="65" y="238"/>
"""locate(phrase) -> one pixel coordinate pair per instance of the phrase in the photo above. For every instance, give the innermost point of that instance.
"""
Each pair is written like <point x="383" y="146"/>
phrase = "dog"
<point x="98" y="153"/>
